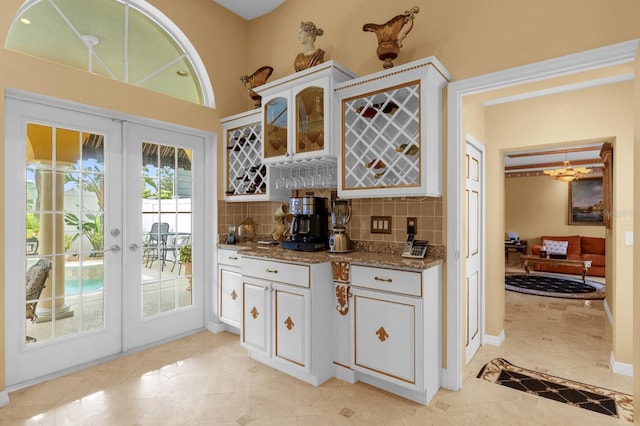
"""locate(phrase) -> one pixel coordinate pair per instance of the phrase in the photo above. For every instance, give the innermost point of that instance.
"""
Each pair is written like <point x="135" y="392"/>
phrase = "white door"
<point x="474" y="246"/>
<point x="63" y="173"/>
<point x="163" y="293"/>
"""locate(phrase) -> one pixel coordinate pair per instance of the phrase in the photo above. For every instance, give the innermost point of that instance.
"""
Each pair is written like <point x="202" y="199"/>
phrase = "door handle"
<point x="133" y="247"/>
<point x="114" y="248"/>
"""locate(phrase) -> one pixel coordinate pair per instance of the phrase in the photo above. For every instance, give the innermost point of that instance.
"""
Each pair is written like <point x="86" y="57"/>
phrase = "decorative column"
<point x="41" y="148"/>
<point x="52" y="245"/>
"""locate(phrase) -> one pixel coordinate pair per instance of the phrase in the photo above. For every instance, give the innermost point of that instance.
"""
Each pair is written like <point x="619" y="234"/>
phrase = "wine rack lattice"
<point x="246" y="173"/>
<point x="382" y="140"/>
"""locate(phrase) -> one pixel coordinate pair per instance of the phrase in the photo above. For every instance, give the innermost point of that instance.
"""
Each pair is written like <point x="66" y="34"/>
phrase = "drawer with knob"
<point x="228" y="257"/>
<point x="288" y="273"/>
<point x="384" y="279"/>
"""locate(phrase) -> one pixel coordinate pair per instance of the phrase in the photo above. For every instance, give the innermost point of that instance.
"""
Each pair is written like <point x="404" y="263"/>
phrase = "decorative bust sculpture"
<point x="311" y="55"/>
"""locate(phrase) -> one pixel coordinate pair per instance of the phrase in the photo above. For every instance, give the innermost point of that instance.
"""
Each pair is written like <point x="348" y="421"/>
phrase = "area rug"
<point x="554" y="286"/>
<point x="604" y="401"/>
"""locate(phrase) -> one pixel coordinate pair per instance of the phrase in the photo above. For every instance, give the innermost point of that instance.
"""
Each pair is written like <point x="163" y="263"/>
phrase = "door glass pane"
<point x="276" y="132"/>
<point x="166" y="184"/>
<point x="310" y="119"/>
<point x="64" y="232"/>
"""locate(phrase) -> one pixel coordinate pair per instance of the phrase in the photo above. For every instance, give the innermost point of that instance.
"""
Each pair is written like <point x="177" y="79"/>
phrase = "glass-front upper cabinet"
<point x="389" y="125"/>
<point x="296" y="113"/>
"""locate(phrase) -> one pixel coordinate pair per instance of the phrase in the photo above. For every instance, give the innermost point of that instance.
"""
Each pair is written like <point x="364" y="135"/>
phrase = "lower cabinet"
<point x="385" y="338"/>
<point x="395" y="326"/>
<point x="229" y="288"/>
<point x="286" y="315"/>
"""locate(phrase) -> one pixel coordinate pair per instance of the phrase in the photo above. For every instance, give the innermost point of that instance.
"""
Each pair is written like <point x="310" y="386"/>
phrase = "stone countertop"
<point x="367" y="258"/>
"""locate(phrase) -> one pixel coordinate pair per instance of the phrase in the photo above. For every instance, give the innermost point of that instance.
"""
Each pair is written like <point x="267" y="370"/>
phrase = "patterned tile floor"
<point x="207" y="379"/>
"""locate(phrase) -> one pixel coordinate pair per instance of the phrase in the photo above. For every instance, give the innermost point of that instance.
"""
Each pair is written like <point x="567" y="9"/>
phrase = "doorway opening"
<point x="595" y="68"/>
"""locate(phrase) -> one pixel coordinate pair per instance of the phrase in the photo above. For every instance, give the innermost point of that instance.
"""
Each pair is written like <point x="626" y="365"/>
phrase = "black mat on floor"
<point x="600" y="400"/>
<point x="554" y="286"/>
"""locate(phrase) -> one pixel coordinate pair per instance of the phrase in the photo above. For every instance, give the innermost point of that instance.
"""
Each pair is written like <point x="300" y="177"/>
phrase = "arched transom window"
<point x="125" y="40"/>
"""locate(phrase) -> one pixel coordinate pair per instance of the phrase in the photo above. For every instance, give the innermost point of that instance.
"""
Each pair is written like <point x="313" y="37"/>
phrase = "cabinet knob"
<point x="273" y="271"/>
<point x="387" y="280"/>
<point x="233" y="257"/>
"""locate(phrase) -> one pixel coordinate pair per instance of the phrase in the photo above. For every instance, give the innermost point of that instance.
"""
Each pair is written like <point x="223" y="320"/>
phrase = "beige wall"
<point x="604" y="112"/>
<point x="470" y="38"/>
<point x="536" y="206"/>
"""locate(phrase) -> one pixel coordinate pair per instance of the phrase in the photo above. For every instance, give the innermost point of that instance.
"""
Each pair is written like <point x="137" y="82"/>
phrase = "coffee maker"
<point x="340" y="214"/>
<point x="309" y="226"/>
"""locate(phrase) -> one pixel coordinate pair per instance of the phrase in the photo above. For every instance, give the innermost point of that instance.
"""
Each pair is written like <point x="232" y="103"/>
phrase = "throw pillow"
<point x="555" y="247"/>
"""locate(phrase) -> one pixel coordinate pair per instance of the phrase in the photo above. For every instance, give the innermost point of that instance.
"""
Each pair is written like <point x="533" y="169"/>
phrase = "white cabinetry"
<point x="395" y="327"/>
<point x="229" y="288"/>
<point x="389" y="127"/>
<point x="285" y="316"/>
<point x="246" y="175"/>
<point x="296" y="113"/>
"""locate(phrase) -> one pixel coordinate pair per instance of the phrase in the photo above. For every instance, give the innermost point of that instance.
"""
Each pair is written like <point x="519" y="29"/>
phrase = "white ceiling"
<point x="250" y="9"/>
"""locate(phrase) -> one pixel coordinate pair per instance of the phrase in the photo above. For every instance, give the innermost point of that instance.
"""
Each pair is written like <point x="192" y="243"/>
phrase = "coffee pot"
<point x="309" y="224"/>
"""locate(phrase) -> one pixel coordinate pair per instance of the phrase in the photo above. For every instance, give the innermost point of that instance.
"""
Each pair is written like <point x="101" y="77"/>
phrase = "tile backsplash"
<point x="427" y="210"/>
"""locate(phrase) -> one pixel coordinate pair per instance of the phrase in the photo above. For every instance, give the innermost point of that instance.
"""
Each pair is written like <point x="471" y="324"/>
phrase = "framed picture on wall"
<point x="586" y="202"/>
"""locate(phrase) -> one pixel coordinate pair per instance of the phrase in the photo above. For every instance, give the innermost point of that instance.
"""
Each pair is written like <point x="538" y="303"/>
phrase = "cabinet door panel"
<point x="255" y="313"/>
<point x="385" y="338"/>
<point x="230" y="296"/>
<point x="276" y="127"/>
<point x="290" y="330"/>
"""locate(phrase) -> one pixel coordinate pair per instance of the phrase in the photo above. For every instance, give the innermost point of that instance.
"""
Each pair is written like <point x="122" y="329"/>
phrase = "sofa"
<point x="577" y="248"/>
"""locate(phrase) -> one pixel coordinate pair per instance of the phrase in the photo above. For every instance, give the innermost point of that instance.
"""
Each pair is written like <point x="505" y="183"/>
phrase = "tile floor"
<point x="207" y="379"/>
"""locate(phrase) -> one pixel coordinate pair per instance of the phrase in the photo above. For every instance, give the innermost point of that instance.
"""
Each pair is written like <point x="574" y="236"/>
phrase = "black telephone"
<point x="416" y="249"/>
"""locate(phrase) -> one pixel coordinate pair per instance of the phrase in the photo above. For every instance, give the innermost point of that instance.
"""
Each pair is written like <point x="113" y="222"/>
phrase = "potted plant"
<point x="185" y="259"/>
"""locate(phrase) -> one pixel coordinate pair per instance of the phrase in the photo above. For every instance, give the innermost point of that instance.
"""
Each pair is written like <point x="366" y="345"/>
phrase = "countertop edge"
<point x="354" y="258"/>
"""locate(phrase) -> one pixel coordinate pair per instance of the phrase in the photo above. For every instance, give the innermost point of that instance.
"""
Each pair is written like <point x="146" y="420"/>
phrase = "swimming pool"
<point x="72" y="286"/>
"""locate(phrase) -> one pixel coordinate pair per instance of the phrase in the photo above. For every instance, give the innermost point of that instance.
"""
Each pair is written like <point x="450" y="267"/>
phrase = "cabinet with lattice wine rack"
<point x="246" y="176"/>
<point x="389" y="126"/>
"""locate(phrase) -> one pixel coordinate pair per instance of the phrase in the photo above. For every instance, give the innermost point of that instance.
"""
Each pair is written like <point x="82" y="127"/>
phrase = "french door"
<point x="164" y="297"/>
<point x="82" y="186"/>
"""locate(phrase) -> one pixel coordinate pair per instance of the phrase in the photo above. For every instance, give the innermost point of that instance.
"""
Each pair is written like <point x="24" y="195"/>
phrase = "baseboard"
<point x="620" y="367"/>
<point x="608" y="312"/>
<point x="344" y="373"/>
<point x="215" y="327"/>
<point x="494" y="340"/>
<point x="420" y="397"/>
<point x="4" y="398"/>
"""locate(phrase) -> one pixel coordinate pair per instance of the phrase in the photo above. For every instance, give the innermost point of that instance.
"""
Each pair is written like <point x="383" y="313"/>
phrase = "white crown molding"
<point x="561" y="89"/>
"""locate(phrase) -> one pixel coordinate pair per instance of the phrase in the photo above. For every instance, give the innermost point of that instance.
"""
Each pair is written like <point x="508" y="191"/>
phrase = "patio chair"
<point x="156" y="242"/>
<point x="173" y="249"/>
<point x="35" y="282"/>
